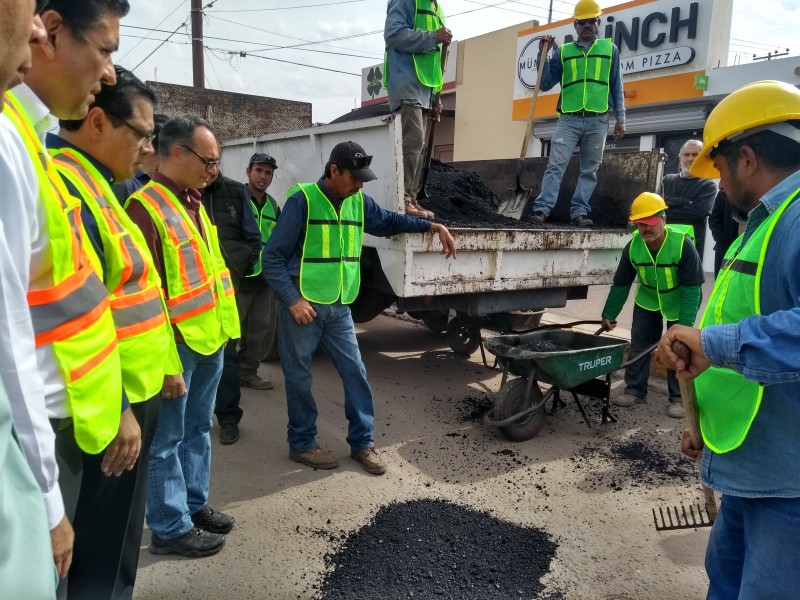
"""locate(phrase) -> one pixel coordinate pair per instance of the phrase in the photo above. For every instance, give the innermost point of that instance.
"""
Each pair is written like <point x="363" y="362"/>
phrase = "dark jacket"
<point x="723" y="227"/>
<point x="226" y="202"/>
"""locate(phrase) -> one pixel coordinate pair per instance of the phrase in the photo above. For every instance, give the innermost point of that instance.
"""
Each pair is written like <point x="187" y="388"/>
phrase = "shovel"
<point x="422" y="193"/>
<point x="679" y="517"/>
<point x="513" y="200"/>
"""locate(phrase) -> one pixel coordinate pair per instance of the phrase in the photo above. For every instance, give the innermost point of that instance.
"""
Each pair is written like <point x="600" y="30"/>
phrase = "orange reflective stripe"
<point x="70" y="328"/>
<point x="139" y="316"/>
<point x="90" y="364"/>
<point x="61" y="291"/>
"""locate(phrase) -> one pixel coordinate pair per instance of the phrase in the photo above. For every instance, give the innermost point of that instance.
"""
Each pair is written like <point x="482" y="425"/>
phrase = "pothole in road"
<point x="438" y="549"/>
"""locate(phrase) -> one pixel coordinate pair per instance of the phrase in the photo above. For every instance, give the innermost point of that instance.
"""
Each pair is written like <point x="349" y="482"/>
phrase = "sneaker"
<point x="212" y="520"/>
<point x="255" y="382"/>
<point x="316" y="458"/>
<point x="370" y="460"/>
<point x="228" y="433"/>
<point x="538" y="217"/>
<point x="194" y="543"/>
<point x="582" y="221"/>
<point x="676" y="410"/>
<point x="627" y="400"/>
<point x="415" y="210"/>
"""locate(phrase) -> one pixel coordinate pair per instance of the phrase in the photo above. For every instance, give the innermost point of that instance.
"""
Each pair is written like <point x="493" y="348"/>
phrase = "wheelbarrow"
<point x="571" y="361"/>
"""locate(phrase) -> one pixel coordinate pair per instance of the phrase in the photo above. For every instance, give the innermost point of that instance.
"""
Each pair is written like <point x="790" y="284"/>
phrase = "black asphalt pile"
<point x="636" y="463"/>
<point x="472" y="408"/>
<point x="461" y="199"/>
<point x="543" y="346"/>
<point x="436" y="549"/>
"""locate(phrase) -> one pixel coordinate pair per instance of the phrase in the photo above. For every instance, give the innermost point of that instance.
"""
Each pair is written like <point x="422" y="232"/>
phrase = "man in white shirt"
<point x="28" y="570"/>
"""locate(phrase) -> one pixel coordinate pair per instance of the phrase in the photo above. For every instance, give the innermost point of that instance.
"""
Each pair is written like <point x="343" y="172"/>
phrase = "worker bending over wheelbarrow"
<point x="663" y="259"/>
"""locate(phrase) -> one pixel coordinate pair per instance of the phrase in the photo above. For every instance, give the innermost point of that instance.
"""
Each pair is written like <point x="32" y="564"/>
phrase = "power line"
<point x="157" y="47"/>
<point x="219" y="81"/>
<point x="181" y="3"/>
<point x="286" y="7"/>
<point x="245" y="55"/>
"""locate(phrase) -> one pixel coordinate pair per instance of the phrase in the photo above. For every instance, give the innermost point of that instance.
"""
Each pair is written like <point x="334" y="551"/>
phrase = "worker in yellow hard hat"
<point x="664" y="261"/>
<point x="745" y="355"/>
<point x="591" y="87"/>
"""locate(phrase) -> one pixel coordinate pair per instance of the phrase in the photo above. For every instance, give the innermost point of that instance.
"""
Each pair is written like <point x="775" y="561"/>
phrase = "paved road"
<point x="571" y="481"/>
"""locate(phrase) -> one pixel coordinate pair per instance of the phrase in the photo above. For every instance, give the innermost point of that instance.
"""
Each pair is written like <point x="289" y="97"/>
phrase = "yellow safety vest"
<point x="585" y="78"/>
<point x="199" y="291"/>
<point x="73" y="316"/>
<point x="146" y="342"/>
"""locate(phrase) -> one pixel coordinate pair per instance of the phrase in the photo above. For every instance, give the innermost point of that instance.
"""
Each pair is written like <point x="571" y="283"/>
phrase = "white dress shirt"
<point x="36" y="390"/>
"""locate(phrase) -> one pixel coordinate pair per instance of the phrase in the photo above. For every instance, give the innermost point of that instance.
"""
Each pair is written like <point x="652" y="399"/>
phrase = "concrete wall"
<point x="483" y="125"/>
<point x="233" y="115"/>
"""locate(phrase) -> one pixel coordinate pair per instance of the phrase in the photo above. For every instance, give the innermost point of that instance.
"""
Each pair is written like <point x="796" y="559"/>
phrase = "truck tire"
<point x="269" y="347"/>
<point x="510" y="401"/>
<point x="463" y="339"/>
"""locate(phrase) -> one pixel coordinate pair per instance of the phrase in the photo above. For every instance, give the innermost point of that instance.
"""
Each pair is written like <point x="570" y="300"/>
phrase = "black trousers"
<point x="229" y="392"/>
<point x="107" y="514"/>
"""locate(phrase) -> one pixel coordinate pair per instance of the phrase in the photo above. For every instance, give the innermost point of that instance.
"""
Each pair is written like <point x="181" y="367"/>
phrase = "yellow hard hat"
<point x="757" y="104"/>
<point x="647" y="204"/>
<point x="587" y="9"/>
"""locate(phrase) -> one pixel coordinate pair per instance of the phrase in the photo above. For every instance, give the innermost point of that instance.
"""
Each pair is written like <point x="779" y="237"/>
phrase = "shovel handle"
<point x="529" y="127"/>
<point x="693" y="421"/>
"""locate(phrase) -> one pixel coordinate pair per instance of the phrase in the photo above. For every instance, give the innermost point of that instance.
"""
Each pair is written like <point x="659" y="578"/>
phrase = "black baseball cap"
<point x="352" y="157"/>
<point x="262" y="158"/>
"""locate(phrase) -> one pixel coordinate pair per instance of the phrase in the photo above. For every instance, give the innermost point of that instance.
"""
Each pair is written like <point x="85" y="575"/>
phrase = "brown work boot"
<point x="255" y="382"/>
<point x="370" y="460"/>
<point x="413" y="209"/>
<point x="316" y="458"/>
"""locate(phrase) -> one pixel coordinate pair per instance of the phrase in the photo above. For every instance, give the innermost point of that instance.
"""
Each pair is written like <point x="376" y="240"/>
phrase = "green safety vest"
<point x="199" y="291"/>
<point x="330" y="268"/>
<point x="73" y="316"/>
<point x="585" y="76"/>
<point x="428" y="65"/>
<point x="146" y="343"/>
<point x="659" y="283"/>
<point x="266" y="217"/>
<point x="726" y="417"/>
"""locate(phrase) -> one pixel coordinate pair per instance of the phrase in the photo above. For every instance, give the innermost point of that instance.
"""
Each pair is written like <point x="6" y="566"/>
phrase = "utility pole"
<point x="198" y="69"/>
<point x="550" y="13"/>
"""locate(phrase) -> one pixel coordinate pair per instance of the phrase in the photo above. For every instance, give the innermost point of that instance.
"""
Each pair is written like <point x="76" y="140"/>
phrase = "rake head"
<point x="678" y="517"/>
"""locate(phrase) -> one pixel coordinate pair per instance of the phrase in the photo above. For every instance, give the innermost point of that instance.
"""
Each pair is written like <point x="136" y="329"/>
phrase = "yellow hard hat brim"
<point x="703" y="166"/>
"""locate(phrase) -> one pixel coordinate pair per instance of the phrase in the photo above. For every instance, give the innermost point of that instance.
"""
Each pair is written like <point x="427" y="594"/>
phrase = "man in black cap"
<point x="312" y="263"/>
<point x="254" y="298"/>
<point x="226" y="201"/>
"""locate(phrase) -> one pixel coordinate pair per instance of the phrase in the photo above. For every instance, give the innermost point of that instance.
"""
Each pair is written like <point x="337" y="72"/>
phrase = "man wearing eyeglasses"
<point x="312" y="262"/>
<point x="202" y="309"/>
<point x="90" y="154"/>
<point x="591" y="83"/>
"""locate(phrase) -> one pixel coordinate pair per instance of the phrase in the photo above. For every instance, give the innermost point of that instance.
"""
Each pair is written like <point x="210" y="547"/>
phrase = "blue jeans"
<point x="753" y="549"/>
<point x="590" y="134"/>
<point x="180" y="454"/>
<point x="333" y="330"/>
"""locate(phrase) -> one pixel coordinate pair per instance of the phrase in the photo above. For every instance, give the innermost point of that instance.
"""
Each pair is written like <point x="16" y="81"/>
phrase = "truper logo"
<point x="588" y="365"/>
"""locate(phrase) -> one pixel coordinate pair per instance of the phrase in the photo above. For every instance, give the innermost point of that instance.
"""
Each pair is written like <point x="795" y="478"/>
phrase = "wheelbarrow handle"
<point x="639" y="356"/>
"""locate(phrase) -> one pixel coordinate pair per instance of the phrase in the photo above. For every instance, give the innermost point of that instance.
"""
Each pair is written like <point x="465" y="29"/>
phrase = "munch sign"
<point x="652" y="36"/>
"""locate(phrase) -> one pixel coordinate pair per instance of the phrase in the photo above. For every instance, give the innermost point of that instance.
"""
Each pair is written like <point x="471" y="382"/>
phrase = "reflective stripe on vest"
<point x="427" y="65"/>
<point x="266" y="217"/>
<point x="585" y="76"/>
<point x="330" y="267"/>
<point x="198" y="287"/>
<point x="659" y="282"/>
<point x="73" y="316"/>
<point x="727" y="402"/>
<point x="146" y="344"/>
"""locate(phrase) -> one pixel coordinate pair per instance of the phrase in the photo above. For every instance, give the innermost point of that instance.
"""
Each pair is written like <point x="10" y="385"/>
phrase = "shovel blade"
<point x="678" y="517"/>
<point x="513" y="201"/>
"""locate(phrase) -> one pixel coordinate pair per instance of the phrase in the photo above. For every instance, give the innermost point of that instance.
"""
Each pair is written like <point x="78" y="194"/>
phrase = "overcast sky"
<point x="280" y="30"/>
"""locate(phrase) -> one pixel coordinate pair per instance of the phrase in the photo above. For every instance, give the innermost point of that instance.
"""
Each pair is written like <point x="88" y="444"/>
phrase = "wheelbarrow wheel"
<point x="511" y="400"/>
<point x="463" y="340"/>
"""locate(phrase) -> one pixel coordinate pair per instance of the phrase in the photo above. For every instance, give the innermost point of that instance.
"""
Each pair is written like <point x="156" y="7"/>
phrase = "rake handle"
<point x="689" y="397"/>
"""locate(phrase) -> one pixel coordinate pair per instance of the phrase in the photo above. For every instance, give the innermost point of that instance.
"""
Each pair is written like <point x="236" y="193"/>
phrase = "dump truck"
<point x="503" y="278"/>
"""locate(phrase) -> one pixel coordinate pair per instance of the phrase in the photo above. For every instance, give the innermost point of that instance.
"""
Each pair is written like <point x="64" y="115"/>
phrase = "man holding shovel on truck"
<point x="745" y="357"/>
<point x="412" y="74"/>
<point x="591" y="83"/>
<point x="664" y="261"/>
